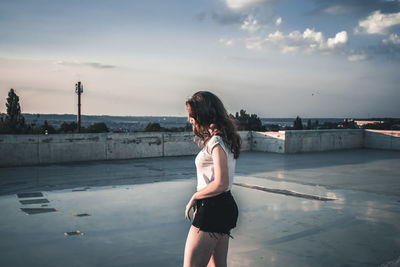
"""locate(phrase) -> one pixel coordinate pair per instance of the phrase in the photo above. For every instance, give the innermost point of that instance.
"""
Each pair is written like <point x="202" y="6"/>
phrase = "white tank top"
<point x="205" y="166"/>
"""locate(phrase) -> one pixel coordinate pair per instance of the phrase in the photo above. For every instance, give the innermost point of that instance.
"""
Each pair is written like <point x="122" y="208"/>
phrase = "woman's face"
<point x="190" y="119"/>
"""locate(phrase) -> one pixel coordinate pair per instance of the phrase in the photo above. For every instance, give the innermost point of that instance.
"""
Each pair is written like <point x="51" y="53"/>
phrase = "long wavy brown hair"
<point x="209" y="112"/>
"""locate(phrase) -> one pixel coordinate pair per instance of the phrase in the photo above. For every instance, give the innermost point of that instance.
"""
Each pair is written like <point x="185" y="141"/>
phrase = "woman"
<point x="215" y="210"/>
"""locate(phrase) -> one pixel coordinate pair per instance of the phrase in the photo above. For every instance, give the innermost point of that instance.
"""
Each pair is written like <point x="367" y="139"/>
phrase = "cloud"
<point x="307" y="42"/>
<point x="356" y="57"/>
<point x="95" y="65"/>
<point x="340" y="39"/>
<point x="226" y="42"/>
<point x="278" y="21"/>
<point x="336" y="10"/>
<point x="238" y="11"/>
<point x="358" y="8"/>
<point x="240" y="4"/>
<point x="393" y="39"/>
<point x="250" y="24"/>
<point x="378" y="23"/>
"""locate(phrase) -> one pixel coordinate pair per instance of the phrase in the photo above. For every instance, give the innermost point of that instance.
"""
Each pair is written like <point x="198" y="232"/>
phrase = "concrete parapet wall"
<point x="68" y="148"/>
<point x="300" y="141"/>
<point x="20" y="150"/>
<point x="381" y="139"/>
<point x="268" y="142"/>
<point x="179" y="144"/>
<point x="246" y="140"/>
<point x="133" y="145"/>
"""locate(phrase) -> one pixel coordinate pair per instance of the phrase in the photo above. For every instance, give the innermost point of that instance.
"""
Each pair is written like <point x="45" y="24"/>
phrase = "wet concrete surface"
<point x="141" y="222"/>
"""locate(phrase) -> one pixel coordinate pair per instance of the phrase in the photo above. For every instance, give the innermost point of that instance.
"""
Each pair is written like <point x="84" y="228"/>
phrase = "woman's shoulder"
<point x="216" y="140"/>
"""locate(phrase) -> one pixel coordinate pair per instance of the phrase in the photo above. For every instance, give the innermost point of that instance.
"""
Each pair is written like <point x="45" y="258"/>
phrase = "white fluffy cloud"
<point x="239" y="4"/>
<point x="378" y="23"/>
<point x="278" y="21"/>
<point x="393" y="39"/>
<point x="250" y="24"/>
<point x="340" y="39"/>
<point x="356" y="57"/>
<point x="307" y="42"/>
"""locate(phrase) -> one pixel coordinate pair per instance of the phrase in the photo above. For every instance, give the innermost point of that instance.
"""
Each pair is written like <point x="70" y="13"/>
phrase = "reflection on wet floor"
<point x="285" y="192"/>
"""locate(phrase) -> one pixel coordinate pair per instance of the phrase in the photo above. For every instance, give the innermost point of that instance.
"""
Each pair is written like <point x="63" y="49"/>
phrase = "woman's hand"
<point x="191" y="204"/>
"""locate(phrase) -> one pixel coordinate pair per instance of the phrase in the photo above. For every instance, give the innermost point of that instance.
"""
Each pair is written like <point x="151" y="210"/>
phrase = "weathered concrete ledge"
<point x="323" y="140"/>
<point x="382" y="139"/>
<point x="20" y="150"/>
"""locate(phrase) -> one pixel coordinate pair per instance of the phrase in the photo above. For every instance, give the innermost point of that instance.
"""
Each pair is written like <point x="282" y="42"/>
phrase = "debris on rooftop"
<point x="77" y="232"/>
<point x="37" y="210"/>
<point x="80" y="189"/>
<point x="30" y="194"/>
<point x="82" y="215"/>
<point x="34" y="201"/>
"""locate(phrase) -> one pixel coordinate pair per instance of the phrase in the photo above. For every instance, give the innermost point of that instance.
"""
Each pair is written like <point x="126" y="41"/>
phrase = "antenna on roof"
<point x="79" y="91"/>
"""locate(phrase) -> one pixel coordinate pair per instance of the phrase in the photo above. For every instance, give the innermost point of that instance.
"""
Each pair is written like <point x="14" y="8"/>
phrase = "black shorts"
<point x="216" y="214"/>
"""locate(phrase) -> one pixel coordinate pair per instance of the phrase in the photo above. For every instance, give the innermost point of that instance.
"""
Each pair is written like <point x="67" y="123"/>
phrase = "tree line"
<point x="14" y="122"/>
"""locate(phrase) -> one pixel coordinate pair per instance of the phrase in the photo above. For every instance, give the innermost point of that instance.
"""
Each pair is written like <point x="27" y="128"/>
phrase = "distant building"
<point x="362" y="123"/>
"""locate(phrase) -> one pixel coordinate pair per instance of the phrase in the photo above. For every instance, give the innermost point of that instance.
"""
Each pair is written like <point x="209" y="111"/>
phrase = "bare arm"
<point x="221" y="176"/>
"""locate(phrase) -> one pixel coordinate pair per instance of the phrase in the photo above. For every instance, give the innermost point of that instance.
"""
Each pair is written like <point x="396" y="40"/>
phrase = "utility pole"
<point x="79" y="91"/>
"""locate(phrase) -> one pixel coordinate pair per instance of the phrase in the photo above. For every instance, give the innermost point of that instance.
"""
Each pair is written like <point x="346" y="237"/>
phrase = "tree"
<point x="298" y="124"/>
<point x="99" y="127"/>
<point x="309" y="125"/>
<point x="14" y="122"/>
<point x="248" y="122"/>
<point x="68" y="127"/>
<point x="154" y="127"/>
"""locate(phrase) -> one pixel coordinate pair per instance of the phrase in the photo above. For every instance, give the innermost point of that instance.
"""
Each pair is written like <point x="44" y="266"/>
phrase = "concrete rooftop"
<point x="136" y="211"/>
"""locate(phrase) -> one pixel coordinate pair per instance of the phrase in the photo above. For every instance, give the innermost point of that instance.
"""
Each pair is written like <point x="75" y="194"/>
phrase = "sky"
<point x="274" y="58"/>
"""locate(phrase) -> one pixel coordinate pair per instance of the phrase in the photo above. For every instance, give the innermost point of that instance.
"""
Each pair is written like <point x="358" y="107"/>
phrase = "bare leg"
<point x="199" y="247"/>
<point x="220" y="253"/>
